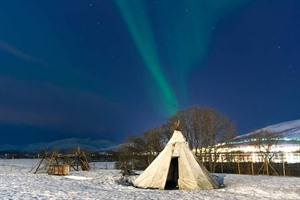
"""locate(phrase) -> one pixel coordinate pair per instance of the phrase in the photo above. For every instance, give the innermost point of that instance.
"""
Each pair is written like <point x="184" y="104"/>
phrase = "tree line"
<point x="202" y="127"/>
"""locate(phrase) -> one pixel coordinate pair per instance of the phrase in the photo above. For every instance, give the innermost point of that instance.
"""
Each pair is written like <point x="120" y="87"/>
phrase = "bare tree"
<point x="139" y="151"/>
<point x="131" y="153"/>
<point x="204" y="129"/>
<point x="264" y="140"/>
<point x="218" y="130"/>
<point x="191" y="125"/>
<point x="154" y="142"/>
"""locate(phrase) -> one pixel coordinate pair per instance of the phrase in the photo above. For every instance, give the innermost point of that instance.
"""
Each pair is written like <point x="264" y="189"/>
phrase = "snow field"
<point x="17" y="183"/>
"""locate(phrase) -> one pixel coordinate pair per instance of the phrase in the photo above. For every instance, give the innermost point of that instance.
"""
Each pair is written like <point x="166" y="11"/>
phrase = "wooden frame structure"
<point x="77" y="161"/>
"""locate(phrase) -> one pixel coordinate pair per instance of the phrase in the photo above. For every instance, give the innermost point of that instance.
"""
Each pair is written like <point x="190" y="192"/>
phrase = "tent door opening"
<point x="173" y="176"/>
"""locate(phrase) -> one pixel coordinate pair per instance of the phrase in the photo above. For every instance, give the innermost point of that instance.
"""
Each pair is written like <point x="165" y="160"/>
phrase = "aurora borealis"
<point x="104" y="69"/>
<point x="185" y="41"/>
<point x="137" y="21"/>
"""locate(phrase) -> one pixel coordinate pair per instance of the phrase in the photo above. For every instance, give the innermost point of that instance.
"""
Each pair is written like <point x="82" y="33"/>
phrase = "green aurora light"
<point x="184" y="35"/>
<point x="139" y="27"/>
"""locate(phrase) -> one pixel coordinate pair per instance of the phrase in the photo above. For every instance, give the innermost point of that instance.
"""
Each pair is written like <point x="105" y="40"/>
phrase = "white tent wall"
<point x="192" y="176"/>
<point x="158" y="168"/>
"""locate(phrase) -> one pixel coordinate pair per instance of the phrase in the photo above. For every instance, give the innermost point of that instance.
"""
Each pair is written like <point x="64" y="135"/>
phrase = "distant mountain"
<point x="290" y="131"/>
<point x="62" y="145"/>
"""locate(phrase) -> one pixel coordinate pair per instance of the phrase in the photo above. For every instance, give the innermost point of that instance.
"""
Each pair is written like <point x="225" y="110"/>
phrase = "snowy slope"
<point x="290" y="129"/>
<point x="65" y="144"/>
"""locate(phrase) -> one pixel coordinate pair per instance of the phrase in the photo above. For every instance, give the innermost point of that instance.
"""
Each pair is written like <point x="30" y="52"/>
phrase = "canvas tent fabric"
<point x="176" y="167"/>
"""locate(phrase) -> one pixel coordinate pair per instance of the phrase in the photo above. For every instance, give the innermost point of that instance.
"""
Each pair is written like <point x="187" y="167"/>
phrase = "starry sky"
<point x="107" y="68"/>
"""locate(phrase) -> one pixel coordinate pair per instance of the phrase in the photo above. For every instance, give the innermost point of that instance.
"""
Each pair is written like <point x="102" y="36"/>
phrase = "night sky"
<point x="103" y="69"/>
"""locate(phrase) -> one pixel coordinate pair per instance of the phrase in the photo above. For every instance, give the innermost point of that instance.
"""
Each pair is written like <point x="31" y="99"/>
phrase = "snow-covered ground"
<point x="17" y="183"/>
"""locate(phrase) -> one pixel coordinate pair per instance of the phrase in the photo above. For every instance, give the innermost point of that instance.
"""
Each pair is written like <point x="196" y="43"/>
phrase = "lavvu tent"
<point x="176" y="168"/>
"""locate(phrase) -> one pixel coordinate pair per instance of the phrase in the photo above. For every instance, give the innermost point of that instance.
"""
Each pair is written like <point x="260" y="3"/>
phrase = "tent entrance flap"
<point x="173" y="176"/>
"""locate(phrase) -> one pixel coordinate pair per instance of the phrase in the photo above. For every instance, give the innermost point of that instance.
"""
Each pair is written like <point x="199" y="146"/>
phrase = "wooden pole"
<point x="252" y="168"/>
<point x="239" y="169"/>
<point x="283" y="167"/>
<point x="262" y="167"/>
<point x="274" y="170"/>
<point x="222" y="170"/>
<point x="283" y="164"/>
<point x="11" y="165"/>
<point x="267" y="167"/>
<point x="38" y="166"/>
<point x="51" y="160"/>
